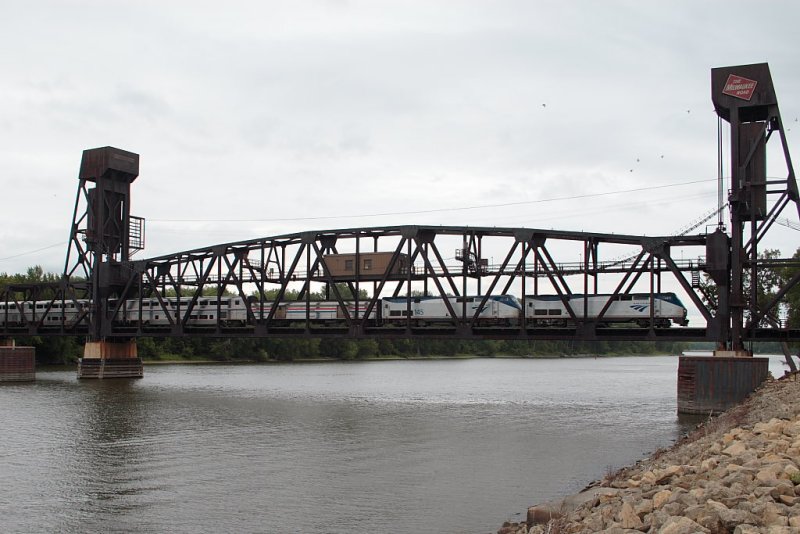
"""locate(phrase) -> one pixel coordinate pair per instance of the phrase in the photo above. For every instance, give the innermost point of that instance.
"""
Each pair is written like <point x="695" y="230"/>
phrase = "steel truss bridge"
<point x="435" y="261"/>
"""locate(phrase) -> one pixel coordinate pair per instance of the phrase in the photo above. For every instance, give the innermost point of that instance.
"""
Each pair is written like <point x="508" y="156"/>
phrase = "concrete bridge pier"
<point x="110" y="359"/>
<point x="17" y="364"/>
<point x="712" y="384"/>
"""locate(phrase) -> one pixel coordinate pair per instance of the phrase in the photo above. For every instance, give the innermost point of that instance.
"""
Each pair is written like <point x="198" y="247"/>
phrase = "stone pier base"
<point x="109" y="359"/>
<point x="712" y="384"/>
<point x="17" y="364"/>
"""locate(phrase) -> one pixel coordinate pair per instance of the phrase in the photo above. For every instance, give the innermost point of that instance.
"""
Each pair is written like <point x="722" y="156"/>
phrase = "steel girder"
<point x="269" y="271"/>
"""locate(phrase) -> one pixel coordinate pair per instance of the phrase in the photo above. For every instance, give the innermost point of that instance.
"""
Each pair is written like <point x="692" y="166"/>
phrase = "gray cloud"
<point x="354" y="107"/>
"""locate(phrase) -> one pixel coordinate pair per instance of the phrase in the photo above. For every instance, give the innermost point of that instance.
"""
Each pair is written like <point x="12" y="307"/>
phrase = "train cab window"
<point x="553" y="312"/>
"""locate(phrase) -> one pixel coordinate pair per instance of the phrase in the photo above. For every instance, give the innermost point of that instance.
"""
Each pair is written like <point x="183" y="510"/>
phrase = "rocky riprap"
<point x="738" y="473"/>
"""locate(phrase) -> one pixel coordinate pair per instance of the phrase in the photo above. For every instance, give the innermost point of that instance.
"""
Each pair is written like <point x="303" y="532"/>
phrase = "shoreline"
<point x="736" y="473"/>
<point x="399" y="358"/>
<point x="394" y="358"/>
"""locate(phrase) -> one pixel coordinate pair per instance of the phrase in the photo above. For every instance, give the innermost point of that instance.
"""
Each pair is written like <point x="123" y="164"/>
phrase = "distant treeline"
<point x="56" y="350"/>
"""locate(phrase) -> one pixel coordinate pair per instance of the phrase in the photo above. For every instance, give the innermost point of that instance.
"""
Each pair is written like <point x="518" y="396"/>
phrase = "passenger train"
<point x="663" y="309"/>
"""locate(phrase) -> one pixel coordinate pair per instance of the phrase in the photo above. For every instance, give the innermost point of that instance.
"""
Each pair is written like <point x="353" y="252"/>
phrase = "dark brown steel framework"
<point x="267" y="270"/>
<point x="745" y="97"/>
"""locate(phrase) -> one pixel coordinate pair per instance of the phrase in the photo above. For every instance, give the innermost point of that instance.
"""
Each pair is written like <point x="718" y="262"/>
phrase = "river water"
<point x="453" y="446"/>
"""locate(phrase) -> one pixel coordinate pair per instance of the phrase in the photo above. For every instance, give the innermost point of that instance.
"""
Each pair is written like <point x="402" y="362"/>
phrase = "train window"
<point x="626" y="297"/>
<point x="539" y="312"/>
<point x="236" y="302"/>
<point x="394" y="313"/>
<point x="40" y="306"/>
<point x="367" y="264"/>
<point x="212" y="302"/>
<point x="416" y="300"/>
<point x="348" y="265"/>
<point x="554" y="312"/>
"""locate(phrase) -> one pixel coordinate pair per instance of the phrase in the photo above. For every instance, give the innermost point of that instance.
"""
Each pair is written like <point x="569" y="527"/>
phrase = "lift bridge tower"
<point x="744" y="96"/>
<point x="103" y="237"/>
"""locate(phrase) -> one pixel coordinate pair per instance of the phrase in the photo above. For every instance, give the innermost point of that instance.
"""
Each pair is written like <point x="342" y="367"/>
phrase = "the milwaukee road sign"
<point x="739" y="87"/>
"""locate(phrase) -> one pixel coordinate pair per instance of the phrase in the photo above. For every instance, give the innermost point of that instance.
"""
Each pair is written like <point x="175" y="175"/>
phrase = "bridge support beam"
<point x="110" y="359"/>
<point x="712" y="384"/>
<point x="17" y="364"/>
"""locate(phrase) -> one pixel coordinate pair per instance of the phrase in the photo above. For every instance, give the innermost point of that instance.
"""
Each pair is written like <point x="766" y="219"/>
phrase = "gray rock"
<point x="656" y="520"/>
<point x="674" y="508"/>
<point x="712" y="522"/>
<point x="681" y="525"/>
<point x="732" y="518"/>
<point x="742" y="478"/>
<point x="782" y="488"/>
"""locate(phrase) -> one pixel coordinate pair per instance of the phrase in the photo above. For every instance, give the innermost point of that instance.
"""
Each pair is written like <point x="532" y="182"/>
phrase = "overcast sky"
<point x="283" y="112"/>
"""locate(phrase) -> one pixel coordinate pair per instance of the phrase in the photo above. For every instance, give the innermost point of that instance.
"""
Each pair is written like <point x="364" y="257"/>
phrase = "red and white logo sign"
<point x="740" y="87"/>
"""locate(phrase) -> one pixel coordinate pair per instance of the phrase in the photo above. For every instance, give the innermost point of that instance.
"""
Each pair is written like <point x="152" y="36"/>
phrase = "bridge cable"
<point x="439" y="210"/>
